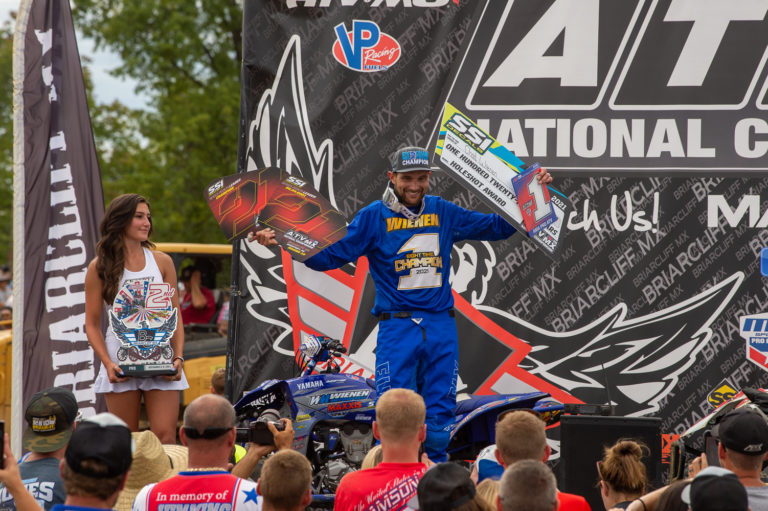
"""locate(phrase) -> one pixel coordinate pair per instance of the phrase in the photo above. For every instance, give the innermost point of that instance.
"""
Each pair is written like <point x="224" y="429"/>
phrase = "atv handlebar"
<point x="318" y="348"/>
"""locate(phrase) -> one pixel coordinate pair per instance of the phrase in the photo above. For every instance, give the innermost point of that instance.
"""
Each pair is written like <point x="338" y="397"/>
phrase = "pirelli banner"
<point x="650" y="115"/>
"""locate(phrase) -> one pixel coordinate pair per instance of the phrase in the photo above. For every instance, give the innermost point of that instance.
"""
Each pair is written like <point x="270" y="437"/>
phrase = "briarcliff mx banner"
<point x="58" y="189"/>
<point x="649" y="114"/>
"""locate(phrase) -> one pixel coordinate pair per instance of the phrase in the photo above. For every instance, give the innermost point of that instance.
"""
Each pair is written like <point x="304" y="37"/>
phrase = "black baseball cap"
<point x="445" y="486"/>
<point x="104" y="438"/>
<point x="715" y="489"/>
<point x="50" y="415"/>
<point x="186" y="273"/>
<point x="743" y="430"/>
<point x="409" y="159"/>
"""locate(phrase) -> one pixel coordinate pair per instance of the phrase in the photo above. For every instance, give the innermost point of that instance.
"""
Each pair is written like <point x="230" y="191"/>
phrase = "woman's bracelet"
<point x="178" y="358"/>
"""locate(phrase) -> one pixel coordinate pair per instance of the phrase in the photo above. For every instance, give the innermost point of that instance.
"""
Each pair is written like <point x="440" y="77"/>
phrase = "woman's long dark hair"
<point x="111" y="247"/>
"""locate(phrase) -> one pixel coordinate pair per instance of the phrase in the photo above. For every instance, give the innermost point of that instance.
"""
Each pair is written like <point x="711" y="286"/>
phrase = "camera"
<point x="257" y="431"/>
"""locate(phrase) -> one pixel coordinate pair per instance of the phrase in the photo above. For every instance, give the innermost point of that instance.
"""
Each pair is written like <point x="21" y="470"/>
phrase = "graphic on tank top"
<point x="143" y="319"/>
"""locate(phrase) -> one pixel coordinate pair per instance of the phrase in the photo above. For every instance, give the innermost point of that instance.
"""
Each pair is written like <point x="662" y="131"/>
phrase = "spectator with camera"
<point x="209" y="434"/>
<point x="742" y="447"/>
<point x="742" y="444"/>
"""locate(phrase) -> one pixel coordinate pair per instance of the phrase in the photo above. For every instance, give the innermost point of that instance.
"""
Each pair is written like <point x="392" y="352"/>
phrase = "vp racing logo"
<point x="365" y="48"/>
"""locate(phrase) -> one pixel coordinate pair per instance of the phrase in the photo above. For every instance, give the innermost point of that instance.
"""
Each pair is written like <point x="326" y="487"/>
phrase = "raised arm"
<point x="361" y="236"/>
<point x="11" y="478"/>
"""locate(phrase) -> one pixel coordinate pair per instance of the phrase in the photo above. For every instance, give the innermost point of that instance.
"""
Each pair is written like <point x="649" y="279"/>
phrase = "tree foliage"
<point x="6" y="142"/>
<point x="6" y="137"/>
<point x="186" y="58"/>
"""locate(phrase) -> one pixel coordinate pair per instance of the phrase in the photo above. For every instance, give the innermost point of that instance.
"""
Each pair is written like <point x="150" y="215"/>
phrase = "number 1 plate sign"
<point x="479" y="163"/>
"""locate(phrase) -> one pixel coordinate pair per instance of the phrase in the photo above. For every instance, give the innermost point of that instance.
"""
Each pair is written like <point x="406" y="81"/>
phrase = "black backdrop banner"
<point x="63" y="205"/>
<point x="650" y="116"/>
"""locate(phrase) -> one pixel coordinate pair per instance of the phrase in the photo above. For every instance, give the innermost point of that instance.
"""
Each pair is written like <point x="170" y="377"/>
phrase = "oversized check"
<point x="482" y="165"/>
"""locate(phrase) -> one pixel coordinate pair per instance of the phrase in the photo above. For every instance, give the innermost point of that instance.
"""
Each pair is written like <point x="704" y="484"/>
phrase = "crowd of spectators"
<point x="97" y="463"/>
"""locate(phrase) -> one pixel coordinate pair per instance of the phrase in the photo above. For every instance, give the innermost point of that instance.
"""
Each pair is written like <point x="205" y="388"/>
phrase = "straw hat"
<point x="152" y="462"/>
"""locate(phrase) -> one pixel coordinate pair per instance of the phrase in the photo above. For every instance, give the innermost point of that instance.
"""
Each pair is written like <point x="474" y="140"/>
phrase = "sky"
<point x="106" y="87"/>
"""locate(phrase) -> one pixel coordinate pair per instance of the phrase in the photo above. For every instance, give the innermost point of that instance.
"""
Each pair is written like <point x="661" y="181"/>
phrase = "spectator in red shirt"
<point x="400" y="426"/>
<point x="197" y="302"/>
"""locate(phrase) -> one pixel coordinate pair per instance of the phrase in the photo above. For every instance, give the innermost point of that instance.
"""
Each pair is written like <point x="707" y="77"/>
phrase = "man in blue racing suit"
<point x="407" y="237"/>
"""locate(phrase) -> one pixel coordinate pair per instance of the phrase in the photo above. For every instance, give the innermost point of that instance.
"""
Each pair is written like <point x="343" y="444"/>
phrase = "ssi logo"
<point x="469" y="133"/>
<point x="724" y="392"/>
<point x="365" y="48"/>
<point x="296" y="181"/>
<point x="215" y="187"/>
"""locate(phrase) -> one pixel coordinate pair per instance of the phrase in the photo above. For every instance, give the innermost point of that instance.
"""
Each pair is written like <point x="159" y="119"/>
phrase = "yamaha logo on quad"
<point x="308" y="385"/>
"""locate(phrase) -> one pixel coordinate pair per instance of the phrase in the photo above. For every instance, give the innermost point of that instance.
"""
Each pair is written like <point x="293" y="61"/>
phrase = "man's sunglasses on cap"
<point x="206" y="434"/>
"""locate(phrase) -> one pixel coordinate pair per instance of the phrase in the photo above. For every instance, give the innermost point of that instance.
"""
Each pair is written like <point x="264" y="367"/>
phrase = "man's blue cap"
<point x="409" y="159"/>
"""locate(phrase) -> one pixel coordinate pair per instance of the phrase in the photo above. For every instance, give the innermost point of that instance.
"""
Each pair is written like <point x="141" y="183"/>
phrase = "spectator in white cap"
<point x="715" y="489"/>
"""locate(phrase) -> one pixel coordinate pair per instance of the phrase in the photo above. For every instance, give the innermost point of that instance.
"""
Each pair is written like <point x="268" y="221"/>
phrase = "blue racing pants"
<point x="421" y="353"/>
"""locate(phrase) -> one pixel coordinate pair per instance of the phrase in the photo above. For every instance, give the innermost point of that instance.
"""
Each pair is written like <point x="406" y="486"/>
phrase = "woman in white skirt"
<point x="138" y="285"/>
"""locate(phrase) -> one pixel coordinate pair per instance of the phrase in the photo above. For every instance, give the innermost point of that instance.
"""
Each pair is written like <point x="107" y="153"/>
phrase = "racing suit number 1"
<point x="423" y="264"/>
